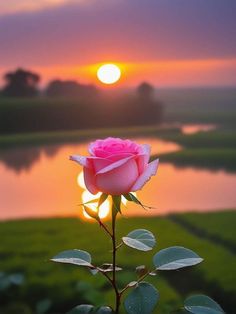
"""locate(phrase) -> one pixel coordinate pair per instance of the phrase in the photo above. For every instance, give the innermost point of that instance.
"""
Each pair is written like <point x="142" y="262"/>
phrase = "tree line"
<point x="71" y="105"/>
<point x="23" y="83"/>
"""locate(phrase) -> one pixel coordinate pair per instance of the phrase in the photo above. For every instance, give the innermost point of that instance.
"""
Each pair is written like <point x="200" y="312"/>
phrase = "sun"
<point x="109" y="73"/>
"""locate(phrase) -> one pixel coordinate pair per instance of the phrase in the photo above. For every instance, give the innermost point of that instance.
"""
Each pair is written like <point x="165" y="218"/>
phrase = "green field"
<point x="210" y="225"/>
<point x="29" y="244"/>
<point x="214" y="159"/>
<point x="209" y="150"/>
<point x="201" y="105"/>
<point x="76" y="136"/>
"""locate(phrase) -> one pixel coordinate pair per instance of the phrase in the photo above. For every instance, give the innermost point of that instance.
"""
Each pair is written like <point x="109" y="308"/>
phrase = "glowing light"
<point x="86" y="196"/>
<point x="104" y="208"/>
<point x="109" y="73"/>
<point x="80" y="180"/>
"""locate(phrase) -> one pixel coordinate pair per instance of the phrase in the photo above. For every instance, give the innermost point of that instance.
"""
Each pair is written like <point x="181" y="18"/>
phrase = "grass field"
<point x="214" y="159"/>
<point x="29" y="244"/>
<point x="224" y="138"/>
<point x="202" y="105"/>
<point x="210" y="225"/>
<point x="210" y="150"/>
<point x="47" y="138"/>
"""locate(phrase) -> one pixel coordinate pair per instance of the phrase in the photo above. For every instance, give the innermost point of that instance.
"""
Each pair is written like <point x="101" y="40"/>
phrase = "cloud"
<point x="16" y="6"/>
<point x="136" y="31"/>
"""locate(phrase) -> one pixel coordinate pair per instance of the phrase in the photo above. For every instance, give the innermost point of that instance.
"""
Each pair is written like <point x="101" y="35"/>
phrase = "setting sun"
<point x="109" y="73"/>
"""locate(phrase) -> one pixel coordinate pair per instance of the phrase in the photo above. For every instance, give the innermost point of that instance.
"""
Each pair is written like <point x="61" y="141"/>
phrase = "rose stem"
<point x="114" y="248"/>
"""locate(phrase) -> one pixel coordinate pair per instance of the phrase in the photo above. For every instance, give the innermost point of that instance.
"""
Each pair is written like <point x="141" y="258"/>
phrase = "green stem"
<point x="105" y="228"/>
<point x="114" y="248"/>
<point x="138" y="281"/>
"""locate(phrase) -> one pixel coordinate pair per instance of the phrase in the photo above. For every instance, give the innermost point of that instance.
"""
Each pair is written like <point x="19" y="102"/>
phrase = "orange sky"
<point x="168" y="43"/>
<point x="208" y="72"/>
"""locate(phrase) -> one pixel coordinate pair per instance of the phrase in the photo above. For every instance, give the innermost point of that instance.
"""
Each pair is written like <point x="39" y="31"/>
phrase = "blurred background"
<point x="172" y="84"/>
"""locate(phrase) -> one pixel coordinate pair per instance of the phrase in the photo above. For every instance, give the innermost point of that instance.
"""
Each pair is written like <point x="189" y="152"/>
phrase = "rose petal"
<point x="146" y="175"/>
<point x="100" y="153"/>
<point x="98" y="163"/>
<point x="146" y="149"/>
<point x="116" y="157"/>
<point x="89" y="180"/>
<point x="143" y="158"/>
<point x="142" y="162"/>
<point x="79" y="159"/>
<point x="119" y="180"/>
<point x="115" y="165"/>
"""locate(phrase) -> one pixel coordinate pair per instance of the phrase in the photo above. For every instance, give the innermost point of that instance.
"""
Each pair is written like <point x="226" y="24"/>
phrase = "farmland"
<point x="29" y="244"/>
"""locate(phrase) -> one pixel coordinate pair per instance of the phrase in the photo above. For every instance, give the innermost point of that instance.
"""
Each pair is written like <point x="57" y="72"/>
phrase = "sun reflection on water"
<point x="86" y="196"/>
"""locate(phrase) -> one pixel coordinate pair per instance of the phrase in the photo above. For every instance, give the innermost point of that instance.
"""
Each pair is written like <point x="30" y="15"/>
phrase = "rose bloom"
<point x="116" y="166"/>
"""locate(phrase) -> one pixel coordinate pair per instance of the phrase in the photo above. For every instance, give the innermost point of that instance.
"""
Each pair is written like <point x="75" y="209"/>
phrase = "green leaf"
<point x="202" y="304"/>
<point x="132" y="198"/>
<point x="17" y="279"/>
<point x="90" y="212"/>
<point x="76" y="257"/>
<point x="43" y="306"/>
<point x="105" y="268"/>
<point x="141" y="270"/>
<point x="102" y="199"/>
<point x="89" y="202"/>
<point x="140" y="239"/>
<point x="5" y="282"/>
<point x="93" y="271"/>
<point x="82" y="309"/>
<point x="132" y="284"/>
<point x="116" y="202"/>
<point x="104" y="310"/>
<point x="128" y="197"/>
<point x="87" y="309"/>
<point x="142" y="299"/>
<point x="175" y="257"/>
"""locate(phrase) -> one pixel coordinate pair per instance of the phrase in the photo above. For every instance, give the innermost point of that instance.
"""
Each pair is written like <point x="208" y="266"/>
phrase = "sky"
<point x="170" y="43"/>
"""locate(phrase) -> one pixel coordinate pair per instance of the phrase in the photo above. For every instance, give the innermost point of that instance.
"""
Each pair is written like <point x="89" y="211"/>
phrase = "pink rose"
<point x="116" y="166"/>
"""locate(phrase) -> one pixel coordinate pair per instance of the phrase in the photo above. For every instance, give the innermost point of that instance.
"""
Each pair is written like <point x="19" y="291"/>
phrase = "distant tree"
<point x="149" y="110"/>
<point x="21" y="83"/>
<point x="69" y="89"/>
<point x="145" y="90"/>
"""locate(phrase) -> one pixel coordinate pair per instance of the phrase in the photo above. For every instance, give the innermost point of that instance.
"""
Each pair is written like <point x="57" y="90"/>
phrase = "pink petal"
<point x="115" y="165"/>
<point x="146" y="175"/>
<point x="116" y="157"/>
<point x="142" y="162"/>
<point x="98" y="163"/>
<point x="119" y="180"/>
<point x="89" y="180"/>
<point x="143" y="157"/>
<point x="79" y="159"/>
<point x="146" y="149"/>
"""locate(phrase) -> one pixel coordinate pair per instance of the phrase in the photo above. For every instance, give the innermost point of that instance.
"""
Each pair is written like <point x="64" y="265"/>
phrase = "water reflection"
<point x="22" y="159"/>
<point x="49" y="187"/>
<point x="195" y="128"/>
